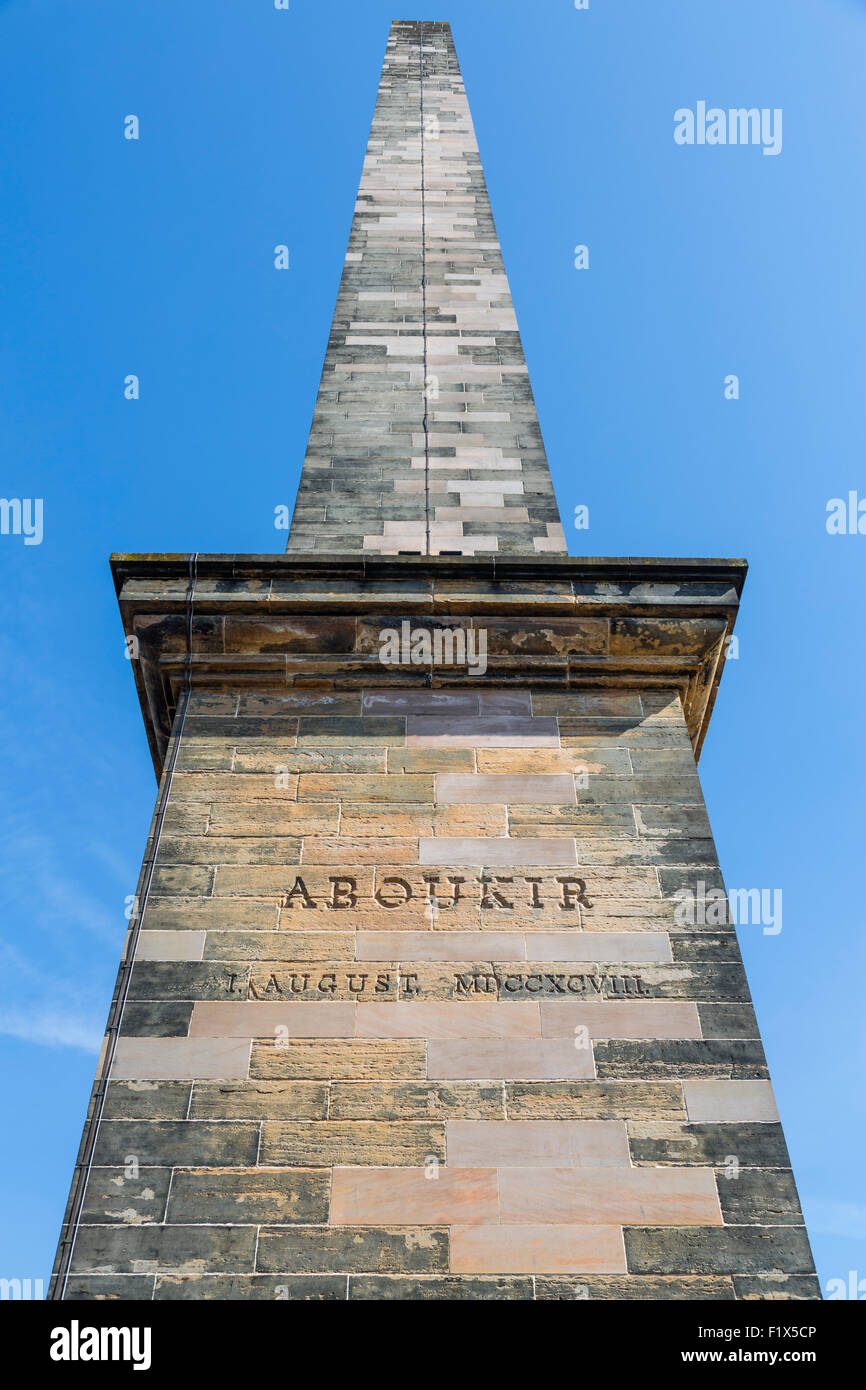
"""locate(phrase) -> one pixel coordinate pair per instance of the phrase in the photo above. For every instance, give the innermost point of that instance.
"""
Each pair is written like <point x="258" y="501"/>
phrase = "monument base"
<point x="421" y="1001"/>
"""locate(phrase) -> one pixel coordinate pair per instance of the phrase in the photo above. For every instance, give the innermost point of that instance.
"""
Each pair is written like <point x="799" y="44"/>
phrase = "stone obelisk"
<point x="422" y="997"/>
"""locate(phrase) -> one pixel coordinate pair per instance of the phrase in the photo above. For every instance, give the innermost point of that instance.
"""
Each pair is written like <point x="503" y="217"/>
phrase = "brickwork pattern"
<point x="425" y="437"/>
<point x="412" y="1016"/>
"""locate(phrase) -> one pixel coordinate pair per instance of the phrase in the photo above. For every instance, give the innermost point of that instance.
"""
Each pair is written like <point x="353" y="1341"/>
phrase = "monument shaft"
<point x="422" y="998"/>
<point x="425" y="437"/>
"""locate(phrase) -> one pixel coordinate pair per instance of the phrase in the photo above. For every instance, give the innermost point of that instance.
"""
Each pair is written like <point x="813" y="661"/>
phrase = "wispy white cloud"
<point x="45" y="895"/>
<point x="52" y="1028"/>
<point x="61" y="1012"/>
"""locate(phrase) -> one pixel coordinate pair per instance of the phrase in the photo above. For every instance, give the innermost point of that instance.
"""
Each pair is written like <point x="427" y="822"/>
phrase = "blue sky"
<point x="155" y="257"/>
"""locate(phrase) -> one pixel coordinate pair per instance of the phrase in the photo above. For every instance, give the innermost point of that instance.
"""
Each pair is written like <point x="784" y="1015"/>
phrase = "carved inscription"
<point x="332" y="984"/>
<point x="550" y="983"/>
<point x="441" y="981"/>
<point x="494" y="893"/>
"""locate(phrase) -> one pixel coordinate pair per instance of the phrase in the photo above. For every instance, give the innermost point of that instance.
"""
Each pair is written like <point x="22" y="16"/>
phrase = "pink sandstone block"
<point x="303" y="1019"/>
<point x="446" y="1019"/>
<point x="604" y="947"/>
<point x="510" y="1060"/>
<point x="181" y="1059"/>
<point x="720" y="1101"/>
<point x="170" y="945"/>
<point x="553" y="852"/>
<point x="537" y="1144"/>
<point x="626" y="1018"/>
<point x="532" y="789"/>
<point x="630" y="1196"/>
<point x="537" y="1250"/>
<point x="409" y="1197"/>
<point x="439" y="945"/>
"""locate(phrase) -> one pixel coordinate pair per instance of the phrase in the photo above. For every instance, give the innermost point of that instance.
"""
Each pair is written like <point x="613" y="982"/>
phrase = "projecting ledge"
<point x="275" y="621"/>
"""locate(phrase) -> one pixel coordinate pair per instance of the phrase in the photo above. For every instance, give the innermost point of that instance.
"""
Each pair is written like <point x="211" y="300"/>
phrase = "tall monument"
<point x="430" y="991"/>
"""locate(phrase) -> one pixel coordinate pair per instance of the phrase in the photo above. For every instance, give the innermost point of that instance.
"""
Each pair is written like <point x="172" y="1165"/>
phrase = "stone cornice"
<point x="309" y="620"/>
